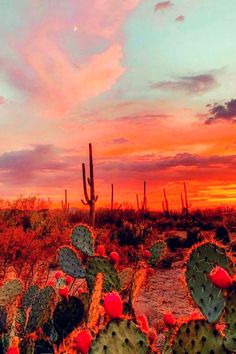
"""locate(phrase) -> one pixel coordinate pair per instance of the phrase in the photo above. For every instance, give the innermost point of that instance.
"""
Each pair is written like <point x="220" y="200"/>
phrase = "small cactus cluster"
<point x="209" y="276"/>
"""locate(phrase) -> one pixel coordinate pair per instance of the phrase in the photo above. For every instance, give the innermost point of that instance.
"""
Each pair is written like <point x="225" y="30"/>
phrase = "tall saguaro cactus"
<point x="112" y="197"/>
<point x="90" y="180"/>
<point x="165" y="204"/>
<point x="184" y="201"/>
<point x="64" y="204"/>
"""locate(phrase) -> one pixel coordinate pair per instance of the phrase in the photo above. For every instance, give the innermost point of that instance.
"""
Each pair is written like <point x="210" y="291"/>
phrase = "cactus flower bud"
<point x="115" y="257"/>
<point x="101" y="251"/>
<point x="113" y="305"/>
<point x="58" y="275"/>
<point x="64" y="292"/>
<point x="220" y="278"/>
<point x="83" y="341"/>
<point x="146" y="254"/>
<point x="13" y="350"/>
<point x="68" y="280"/>
<point x="169" y="319"/>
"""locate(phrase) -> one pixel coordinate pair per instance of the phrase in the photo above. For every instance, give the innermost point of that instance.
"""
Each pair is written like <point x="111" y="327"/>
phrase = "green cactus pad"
<point x="120" y="336"/>
<point x="43" y="347"/>
<point x="27" y="346"/>
<point x="30" y="296"/>
<point x="70" y="263"/>
<point x="68" y="315"/>
<point x="3" y="320"/>
<point x="230" y="320"/>
<point x="102" y="265"/>
<point x="82" y="239"/>
<point x="157" y="252"/>
<point x="9" y="291"/>
<point x="198" y="336"/>
<point x="207" y="296"/>
<point x="41" y="309"/>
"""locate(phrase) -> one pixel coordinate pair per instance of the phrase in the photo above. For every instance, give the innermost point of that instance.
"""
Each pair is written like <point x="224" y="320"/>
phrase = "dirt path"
<point x="165" y="292"/>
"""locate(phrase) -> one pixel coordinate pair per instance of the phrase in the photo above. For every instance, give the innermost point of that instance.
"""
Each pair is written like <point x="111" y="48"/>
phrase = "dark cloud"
<point x="180" y="18"/>
<point x="163" y="5"/>
<point x="194" y="84"/>
<point x="19" y="167"/>
<point x="226" y="112"/>
<point x="157" y="163"/>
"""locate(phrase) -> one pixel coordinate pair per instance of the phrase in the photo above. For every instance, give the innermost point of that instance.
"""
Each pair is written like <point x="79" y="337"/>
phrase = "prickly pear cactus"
<point x="94" y="307"/>
<point x="138" y="281"/>
<point x="125" y="276"/>
<point x="30" y="296"/>
<point x="41" y="309"/>
<point x="207" y="296"/>
<point x="68" y="315"/>
<point x="157" y="252"/>
<point x="9" y="291"/>
<point x="230" y="320"/>
<point x="120" y="336"/>
<point x="82" y="239"/>
<point x="70" y="263"/>
<point x="198" y="336"/>
<point x="42" y="346"/>
<point x="102" y="265"/>
<point x="3" y="320"/>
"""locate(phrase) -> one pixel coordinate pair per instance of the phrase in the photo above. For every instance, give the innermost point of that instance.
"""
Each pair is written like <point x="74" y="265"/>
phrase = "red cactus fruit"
<point x="83" y="341"/>
<point x="169" y="319"/>
<point x="143" y="323"/>
<point x="220" y="278"/>
<point x="151" y="271"/>
<point x="64" y="292"/>
<point x="101" y="251"/>
<point x="13" y="350"/>
<point x="68" y="280"/>
<point x="113" y="305"/>
<point x="115" y="257"/>
<point x="146" y="254"/>
<point x="51" y="283"/>
<point x="58" y="275"/>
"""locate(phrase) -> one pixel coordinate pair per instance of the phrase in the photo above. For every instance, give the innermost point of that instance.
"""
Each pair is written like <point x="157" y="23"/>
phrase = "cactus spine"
<point x="90" y="180"/>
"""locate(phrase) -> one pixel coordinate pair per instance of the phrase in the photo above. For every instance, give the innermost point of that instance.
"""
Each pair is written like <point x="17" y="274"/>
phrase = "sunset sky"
<point x="151" y="84"/>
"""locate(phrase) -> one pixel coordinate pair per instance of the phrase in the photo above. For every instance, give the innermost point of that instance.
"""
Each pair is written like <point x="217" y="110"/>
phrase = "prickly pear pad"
<point x="120" y="336"/>
<point x="70" y="263"/>
<point x="230" y="319"/>
<point x="9" y="291"/>
<point x="207" y="296"/>
<point x="157" y="251"/>
<point x="102" y="265"/>
<point x="82" y="239"/>
<point x="30" y="296"/>
<point x="198" y="336"/>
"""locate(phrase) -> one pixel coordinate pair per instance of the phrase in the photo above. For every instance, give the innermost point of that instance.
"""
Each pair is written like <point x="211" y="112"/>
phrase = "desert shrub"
<point x="193" y="236"/>
<point x="222" y="234"/>
<point x="174" y="242"/>
<point x="132" y="234"/>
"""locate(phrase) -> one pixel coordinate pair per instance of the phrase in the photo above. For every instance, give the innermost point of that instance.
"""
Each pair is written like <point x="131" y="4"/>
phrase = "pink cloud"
<point x="2" y="100"/>
<point x="180" y="18"/>
<point x="163" y="5"/>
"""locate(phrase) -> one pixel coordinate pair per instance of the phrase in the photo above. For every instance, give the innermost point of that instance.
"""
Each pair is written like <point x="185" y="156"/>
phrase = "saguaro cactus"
<point x="165" y="204"/>
<point x="184" y="201"/>
<point x="64" y="204"/>
<point x="112" y="197"/>
<point x="144" y="196"/>
<point x="90" y="180"/>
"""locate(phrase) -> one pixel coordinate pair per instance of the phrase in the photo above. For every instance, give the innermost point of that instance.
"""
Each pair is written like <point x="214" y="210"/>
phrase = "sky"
<point x="151" y="84"/>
